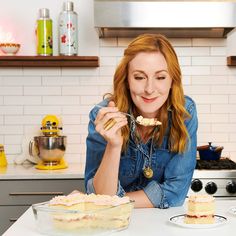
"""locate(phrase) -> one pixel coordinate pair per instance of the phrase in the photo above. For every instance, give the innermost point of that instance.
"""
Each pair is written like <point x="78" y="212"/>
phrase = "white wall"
<point x="19" y="18"/>
<point x="27" y="94"/>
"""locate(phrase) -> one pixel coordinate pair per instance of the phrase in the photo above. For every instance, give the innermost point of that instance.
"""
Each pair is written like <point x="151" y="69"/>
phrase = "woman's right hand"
<point x="109" y="122"/>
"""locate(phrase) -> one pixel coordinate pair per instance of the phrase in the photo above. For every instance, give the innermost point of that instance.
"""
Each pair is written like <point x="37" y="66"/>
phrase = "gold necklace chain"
<point x="147" y="171"/>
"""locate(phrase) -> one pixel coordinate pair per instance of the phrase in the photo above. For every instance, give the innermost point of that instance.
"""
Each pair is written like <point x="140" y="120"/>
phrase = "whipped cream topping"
<point x="201" y="198"/>
<point x="147" y="121"/>
<point x="77" y="198"/>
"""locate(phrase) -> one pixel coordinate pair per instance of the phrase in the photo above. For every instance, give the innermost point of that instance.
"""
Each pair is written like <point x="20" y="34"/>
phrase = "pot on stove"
<point x="210" y="152"/>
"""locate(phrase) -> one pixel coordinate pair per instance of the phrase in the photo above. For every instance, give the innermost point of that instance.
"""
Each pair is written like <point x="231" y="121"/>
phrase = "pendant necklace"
<point x="147" y="171"/>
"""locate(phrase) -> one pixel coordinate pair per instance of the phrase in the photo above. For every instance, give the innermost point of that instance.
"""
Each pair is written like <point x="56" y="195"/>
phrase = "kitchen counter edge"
<point x="28" y="171"/>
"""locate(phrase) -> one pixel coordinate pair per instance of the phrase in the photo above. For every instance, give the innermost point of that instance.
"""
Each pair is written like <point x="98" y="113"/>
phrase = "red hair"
<point x="121" y="95"/>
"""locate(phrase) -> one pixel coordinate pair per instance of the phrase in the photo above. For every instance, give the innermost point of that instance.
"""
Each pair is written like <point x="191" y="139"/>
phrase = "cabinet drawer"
<point x="27" y="192"/>
<point x="9" y="214"/>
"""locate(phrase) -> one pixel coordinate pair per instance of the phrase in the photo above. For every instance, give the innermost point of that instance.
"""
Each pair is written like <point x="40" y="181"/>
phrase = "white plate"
<point x="232" y="210"/>
<point x="179" y="220"/>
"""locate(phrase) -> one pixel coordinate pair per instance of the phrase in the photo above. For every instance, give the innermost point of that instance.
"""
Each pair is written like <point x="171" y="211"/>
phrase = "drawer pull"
<point x="13" y="219"/>
<point x="35" y="193"/>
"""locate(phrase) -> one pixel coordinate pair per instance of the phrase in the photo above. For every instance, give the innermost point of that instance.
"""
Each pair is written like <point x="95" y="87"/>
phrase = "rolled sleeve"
<point x="120" y="191"/>
<point x="155" y="194"/>
<point x="90" y="188"/>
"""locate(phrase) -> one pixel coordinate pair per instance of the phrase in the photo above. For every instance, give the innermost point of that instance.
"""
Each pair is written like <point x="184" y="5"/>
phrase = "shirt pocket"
<point x="159" y="162"/>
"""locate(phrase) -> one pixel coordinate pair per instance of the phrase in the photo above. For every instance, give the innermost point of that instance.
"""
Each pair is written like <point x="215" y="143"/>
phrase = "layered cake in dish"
<point x="147" y="121"/>
<point x="91" y="211"/>
<point x="200" y="210"/>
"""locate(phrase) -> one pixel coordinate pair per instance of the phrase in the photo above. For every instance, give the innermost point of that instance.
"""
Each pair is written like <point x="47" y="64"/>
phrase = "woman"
<point x="153" y="165"/>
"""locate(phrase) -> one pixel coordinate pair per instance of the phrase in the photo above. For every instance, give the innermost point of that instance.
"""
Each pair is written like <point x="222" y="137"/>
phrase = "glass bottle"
<point x="68" y="31"/>
<point x="44" y="33"/>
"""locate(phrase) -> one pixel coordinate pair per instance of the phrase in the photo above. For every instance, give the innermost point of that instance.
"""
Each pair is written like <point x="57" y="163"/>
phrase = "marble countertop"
<point x="28" y="171"/>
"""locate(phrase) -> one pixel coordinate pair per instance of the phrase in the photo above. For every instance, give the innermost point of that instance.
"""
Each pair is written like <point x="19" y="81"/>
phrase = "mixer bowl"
<point x="50" y="149"/>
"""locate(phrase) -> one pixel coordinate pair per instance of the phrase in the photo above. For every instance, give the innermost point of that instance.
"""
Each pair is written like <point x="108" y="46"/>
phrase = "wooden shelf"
<point x="49" y="61"/>
<point x="231" y="61"/>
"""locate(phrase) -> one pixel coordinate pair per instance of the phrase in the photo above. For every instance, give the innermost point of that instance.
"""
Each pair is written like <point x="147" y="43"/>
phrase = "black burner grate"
<point x="220" y="164"/>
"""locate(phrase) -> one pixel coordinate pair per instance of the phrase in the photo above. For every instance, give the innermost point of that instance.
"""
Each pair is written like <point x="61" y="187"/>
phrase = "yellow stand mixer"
<point x="50" y="147"/>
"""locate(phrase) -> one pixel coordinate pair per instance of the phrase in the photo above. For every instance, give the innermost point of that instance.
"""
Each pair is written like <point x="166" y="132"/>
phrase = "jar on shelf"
<point x="44" y="33"/>
<point x="68" y="31"/>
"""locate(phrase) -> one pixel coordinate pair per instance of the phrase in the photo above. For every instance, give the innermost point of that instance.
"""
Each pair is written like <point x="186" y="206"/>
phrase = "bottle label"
<point x="44" y="37"/>
<point x="68" y="38"/>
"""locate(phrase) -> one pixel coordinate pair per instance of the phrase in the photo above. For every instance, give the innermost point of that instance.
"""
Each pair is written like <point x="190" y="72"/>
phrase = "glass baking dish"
<point x="58" y="221"/>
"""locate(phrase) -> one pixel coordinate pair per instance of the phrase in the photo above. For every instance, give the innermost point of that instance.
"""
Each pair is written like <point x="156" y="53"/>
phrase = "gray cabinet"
<point x="17" y="195"/>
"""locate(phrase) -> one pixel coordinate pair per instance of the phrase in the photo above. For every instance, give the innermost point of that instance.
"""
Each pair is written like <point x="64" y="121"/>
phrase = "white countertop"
<point x="76" y="170"/>
<point x="152" y="222"/>
<point x="12" y="171"/>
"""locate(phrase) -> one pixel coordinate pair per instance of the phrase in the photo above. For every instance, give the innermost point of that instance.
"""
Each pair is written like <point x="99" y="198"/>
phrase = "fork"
<point x="133" y="119"/>
<point x="124" y="113"/>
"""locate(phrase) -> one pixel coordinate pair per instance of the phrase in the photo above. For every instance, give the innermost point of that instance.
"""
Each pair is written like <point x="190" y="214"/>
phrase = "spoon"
<point x="139" y="120"/>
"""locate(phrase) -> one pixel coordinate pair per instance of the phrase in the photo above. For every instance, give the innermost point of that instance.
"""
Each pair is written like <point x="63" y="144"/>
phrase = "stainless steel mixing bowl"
<point x="49" y="149"/>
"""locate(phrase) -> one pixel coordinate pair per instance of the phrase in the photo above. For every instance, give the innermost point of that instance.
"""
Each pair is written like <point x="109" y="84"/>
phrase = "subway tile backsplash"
<point x="27" y="94"/>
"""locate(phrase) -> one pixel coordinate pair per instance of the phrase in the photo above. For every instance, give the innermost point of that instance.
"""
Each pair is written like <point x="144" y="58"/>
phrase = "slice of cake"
<point x="200" y="210"/>
<point x="147" y="121"/>
<point x="78" y="210"/>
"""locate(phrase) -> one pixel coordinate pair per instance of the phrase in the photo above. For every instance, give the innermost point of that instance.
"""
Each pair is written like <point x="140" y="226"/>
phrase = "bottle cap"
<point x="43" y="13"/>
<point x="68" y="6"/>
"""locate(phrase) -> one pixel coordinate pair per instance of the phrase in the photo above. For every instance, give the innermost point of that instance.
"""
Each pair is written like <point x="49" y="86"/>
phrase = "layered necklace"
<point x="147" y="169"/>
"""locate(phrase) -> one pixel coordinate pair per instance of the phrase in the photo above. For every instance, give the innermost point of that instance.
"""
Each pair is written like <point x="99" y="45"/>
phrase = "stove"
<point x="217" y="178"/>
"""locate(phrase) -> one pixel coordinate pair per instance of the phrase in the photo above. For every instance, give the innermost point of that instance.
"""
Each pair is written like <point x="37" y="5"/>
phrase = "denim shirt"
<point x="172" y="171"/>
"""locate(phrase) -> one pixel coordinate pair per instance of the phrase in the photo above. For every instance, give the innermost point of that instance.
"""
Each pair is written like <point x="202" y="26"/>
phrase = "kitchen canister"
<point x="3" y="159"/>
<point x="44" y="33"/>
<point x="68" y="31"/>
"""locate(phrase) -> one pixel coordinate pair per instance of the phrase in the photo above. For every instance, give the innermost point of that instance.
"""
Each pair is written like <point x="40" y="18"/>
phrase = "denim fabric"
<point x="172" y="171"/>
